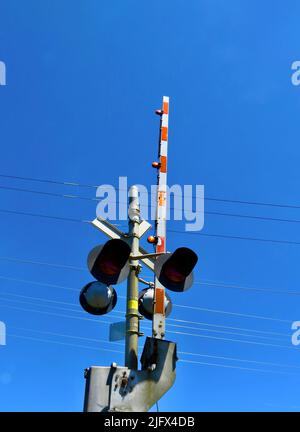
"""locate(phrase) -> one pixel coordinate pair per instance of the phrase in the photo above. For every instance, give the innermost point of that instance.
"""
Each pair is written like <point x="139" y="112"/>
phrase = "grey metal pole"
<point x="132" y="314"/>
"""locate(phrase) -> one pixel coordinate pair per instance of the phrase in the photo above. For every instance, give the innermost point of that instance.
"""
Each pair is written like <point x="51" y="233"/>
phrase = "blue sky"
<point x="83" y="80"/>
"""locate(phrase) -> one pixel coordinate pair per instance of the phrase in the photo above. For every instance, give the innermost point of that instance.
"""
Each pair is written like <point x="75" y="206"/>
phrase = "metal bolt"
<point x="124" y="382"/>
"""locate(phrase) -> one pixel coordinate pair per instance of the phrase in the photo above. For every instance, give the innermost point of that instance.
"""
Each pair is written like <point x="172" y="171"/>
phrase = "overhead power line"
<point x="63" y="343"/>
<point x="230" y="340"/>
<point x="204" y="282"/>
<point x="224" y="236"/>
<point x="58" y="218"/>
<point x="42" y="263"/>
<point x="51" y="333"/>
<point x="146" y="325"/>
<point x="262" y="317"/>
<point x="197" y="308"/>
<point x="245" y="288"/>
<point x="122" y="313"/>
<point x="42" y="299"/>
<point x="120" y="352"/>
<point x="232" y="367"/>
<point x="79" y="197"/>
<point x="39" y="180"/>
<point x="78" y="184"/>
<point x="236" y="359"/>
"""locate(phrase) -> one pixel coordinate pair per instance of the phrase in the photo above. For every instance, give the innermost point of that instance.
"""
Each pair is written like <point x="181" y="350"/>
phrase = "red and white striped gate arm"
<point x="158" y="323"/>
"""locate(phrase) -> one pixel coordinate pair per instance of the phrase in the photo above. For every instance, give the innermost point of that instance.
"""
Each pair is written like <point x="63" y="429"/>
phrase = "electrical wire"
<point x="233" y="367"/>
<point x="236" y="359"/>
<point x="116" y="312"/>
<point x="217" y="284"/>
<point x="245" y="288"/>
<point x="50" y="285"/>
<point x="67" y="336"/>
<point x="146" y="325"/>
<point x="53" y="194"/>
<point x="79" y="197"/>
<point x="175" y="304"/>
<point x="42" y="263"/>
<point x="63" y="343"/>
<point x="223" y="236"/>
<point x="59" y="218"/>
<point x="262" y="317"/>
<point x="170" y="331"/>
<point x="77" y="184"/>
<point x="227" y="327"/>
<point x="120" y="352"/>
<point x="57" y="182"/>
<point x="71" y="196"/>
<point x="179" y="352"/>
<point x="204" y="282"/>
<point x="231" y="340"/>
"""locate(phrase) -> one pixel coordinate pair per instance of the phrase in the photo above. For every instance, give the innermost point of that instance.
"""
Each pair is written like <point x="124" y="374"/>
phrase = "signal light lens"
<point x="108" y="267"/>
<point x="97" y="298"/>
<point x="108" y="263"/>
<point x="173" y="274"/>
<point x="146" y="298"/>
<point x="174" y="270"/>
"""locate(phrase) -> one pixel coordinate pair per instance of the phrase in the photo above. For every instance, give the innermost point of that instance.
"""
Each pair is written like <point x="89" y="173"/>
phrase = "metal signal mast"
<point x="126" y="388"/>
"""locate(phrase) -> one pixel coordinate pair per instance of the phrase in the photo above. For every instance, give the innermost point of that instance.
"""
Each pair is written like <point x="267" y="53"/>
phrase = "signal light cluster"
<point x="109" y="265"/>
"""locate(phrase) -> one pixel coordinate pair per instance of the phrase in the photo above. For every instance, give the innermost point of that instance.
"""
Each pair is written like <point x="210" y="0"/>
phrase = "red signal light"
<point x="175" y="270"/>
<point x="109" y="263"/>
<point x="173" y="274"/>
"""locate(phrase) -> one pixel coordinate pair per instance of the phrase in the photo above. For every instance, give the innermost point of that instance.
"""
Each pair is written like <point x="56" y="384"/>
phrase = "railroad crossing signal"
<point x="146" y="299"/>
<point x="97" y="298"/>
<point x="108" y="263"/>
<point x="174" y="270"/>
<point x="113" y="262"/>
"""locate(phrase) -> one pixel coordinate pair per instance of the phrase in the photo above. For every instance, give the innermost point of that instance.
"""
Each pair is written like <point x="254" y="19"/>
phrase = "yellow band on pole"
<point x="133" y="304"/>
